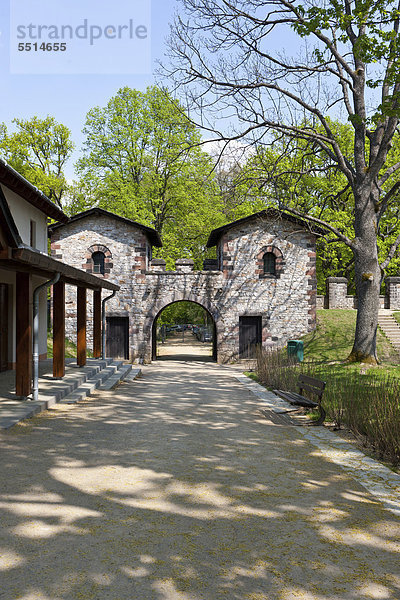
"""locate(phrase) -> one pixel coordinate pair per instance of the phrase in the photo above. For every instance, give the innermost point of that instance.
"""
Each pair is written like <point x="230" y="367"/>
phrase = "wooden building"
<point x="24" y="266"/>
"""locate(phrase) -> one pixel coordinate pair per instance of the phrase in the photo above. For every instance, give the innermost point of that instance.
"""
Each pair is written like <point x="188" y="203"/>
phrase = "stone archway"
<point x="151" y="320"/>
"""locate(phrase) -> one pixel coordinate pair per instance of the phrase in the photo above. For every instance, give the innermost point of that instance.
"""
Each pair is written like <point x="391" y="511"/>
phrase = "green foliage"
<point x="184" y="312"/>
<point x="38" y="149"/>
<point x="70" y="347"/>
<point x="396" y="315"/>
<point x="142" y="160"/>
<point x="296" y="174"/>
<point x="366" y="402"/>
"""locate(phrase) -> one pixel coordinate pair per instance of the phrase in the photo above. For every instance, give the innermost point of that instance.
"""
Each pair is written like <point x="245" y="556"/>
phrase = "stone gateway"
<point x="261" y="288"/>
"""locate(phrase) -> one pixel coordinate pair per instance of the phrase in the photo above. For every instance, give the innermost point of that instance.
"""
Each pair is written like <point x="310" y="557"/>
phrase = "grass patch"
<point x="70" y="348"/>
<point x="364" y="398"/>
<point x="364" y="402"/>
<point x="252" y="375"/>
<point x="333" y="338"/>
<point x="331" y="342"/>
<point x="396" y="315"/>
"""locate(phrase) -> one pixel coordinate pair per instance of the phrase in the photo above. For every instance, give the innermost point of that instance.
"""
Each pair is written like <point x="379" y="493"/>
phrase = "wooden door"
<point x="3" y="326"/>
<point x="117" y="338"/>
<point x="249" y="336"/>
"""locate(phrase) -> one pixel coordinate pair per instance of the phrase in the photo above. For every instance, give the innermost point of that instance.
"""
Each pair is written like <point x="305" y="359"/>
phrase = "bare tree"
<point x="348" y="65"/>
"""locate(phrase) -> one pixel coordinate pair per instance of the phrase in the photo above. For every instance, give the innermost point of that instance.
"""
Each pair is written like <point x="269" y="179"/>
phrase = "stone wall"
<point x="286" y="303"/>
<point x="337" y="297"/>
<point x="393" y="293"/>
<point x="127" y="258"/>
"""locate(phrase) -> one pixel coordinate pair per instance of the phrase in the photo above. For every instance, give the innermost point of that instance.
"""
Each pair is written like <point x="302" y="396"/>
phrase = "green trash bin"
<point x="296" y="348"/>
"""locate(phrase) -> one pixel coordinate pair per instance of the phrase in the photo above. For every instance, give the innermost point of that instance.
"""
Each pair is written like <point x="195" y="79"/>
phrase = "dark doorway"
<point x="117" y="338"/>
<point x="250" y="336"/>
<point x="3" y="326"/>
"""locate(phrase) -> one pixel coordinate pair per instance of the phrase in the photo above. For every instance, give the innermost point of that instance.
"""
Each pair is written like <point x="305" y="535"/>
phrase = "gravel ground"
<point x="174" y="487"/>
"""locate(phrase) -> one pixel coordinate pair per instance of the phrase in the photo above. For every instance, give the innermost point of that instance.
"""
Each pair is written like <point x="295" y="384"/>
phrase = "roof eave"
<point x="46" y="265"/>
<point x="21" y="186"/>
<point x="216" y="234"/>
<point x="152" y="235"/>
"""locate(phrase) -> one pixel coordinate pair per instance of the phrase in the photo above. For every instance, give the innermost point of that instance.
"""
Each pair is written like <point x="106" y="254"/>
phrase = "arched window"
<point x="98" y="262"/>
<point x="269" y="263"/>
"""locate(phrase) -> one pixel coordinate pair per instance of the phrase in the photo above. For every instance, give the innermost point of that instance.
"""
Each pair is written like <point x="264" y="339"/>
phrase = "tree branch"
<point x="339" y="234"/>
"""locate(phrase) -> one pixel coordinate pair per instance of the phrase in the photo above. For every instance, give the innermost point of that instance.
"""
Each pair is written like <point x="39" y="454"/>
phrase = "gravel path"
<point x="174" y="487"/>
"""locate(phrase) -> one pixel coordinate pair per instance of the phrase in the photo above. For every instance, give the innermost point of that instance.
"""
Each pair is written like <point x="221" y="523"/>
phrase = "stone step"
<point x="94" y="383"/>
<point x="391" y="328"/>
<point x="52" y="391"/>
<point x="115" y="379"/>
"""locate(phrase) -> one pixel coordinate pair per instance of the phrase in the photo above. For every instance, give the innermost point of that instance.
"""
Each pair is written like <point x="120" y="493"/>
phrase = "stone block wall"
<point x="285" y="303"/>
<point x="393" y="293"/>
<point x="337" y="297"/>
<point x="126" y="251"/>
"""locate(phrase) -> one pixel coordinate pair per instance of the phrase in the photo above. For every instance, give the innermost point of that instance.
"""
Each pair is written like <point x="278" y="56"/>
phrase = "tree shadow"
<point x="175" y="487"/>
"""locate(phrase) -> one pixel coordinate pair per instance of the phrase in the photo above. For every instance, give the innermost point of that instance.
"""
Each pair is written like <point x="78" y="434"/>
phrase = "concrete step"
<point x="113" y="373"/>
<point x="133" y="374"/>
<point x="391" y="328"/>
<point x="386" y="321"/>
<point x="52" y="391"/>
<point x="393" y="334"/>
<point x="116" y="378"/>
<point x="105" y="381"/>
<point x="94" y="383"/>
<point x="56" y="390"/>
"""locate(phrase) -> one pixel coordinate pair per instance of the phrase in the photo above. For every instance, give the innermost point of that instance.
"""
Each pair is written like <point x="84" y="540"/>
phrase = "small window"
<point x="269" y="263"/>
<point x="98" y="262"/>
<point x="32" y="240"/>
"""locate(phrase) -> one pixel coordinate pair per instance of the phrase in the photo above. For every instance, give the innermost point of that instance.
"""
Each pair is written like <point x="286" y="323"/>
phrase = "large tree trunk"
<point x="368" y="278"/>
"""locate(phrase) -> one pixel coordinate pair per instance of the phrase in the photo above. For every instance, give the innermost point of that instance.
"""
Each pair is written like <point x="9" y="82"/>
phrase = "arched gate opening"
<point x="184" y="330"/>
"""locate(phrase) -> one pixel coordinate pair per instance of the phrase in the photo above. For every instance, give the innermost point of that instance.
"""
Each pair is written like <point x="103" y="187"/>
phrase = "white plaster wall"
<point x="8" y="277"/>
<point x="22" y="213"/>
<point x="42" y="315"/>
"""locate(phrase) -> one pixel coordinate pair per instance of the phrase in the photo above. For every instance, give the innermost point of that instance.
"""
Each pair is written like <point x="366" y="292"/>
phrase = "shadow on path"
<point x="175" y="487"/>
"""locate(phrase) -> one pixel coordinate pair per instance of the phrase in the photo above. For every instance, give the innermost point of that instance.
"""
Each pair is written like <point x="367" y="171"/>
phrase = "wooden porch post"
<point x="81" y="327"/>
<point x="24" y="301"/>
<point x="59" y="329"/>
<point x="97" y="323"/>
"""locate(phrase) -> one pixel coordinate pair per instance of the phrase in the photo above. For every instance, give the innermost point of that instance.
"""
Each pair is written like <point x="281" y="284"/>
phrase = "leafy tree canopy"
<point x="184" y="312"/>
<point x="38" y="149"/>
<point x="142" y="160"/>
<point x="223" y="62"/>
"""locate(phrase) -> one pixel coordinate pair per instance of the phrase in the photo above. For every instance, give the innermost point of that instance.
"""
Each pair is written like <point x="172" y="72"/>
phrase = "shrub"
<point x="367" y="404"/>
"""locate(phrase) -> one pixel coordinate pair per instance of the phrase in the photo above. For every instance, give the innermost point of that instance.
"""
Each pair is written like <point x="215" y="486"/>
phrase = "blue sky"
<point x="69" y="97"/>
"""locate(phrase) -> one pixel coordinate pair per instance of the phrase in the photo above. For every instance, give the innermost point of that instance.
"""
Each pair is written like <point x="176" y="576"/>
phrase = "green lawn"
<point x="333" y="339"/>
<point x="397" y="316"/>
<point x="70" y="348"/>
<point x="362" y="397"/>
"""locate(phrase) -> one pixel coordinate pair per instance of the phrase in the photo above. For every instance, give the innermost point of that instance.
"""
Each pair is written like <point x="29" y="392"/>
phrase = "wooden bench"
<point x="312" y="386"/>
